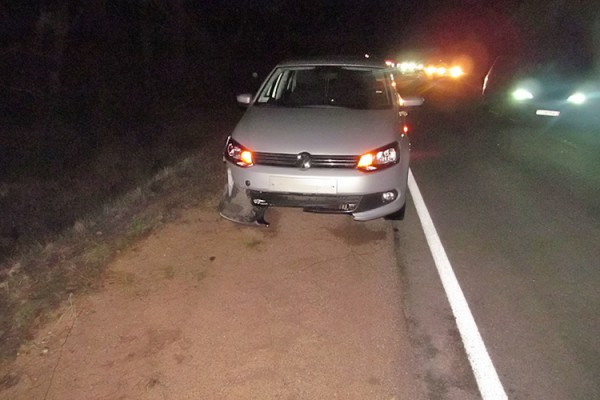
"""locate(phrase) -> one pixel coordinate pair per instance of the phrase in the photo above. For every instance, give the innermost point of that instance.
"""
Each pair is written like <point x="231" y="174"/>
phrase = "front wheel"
<point x="396" y="216"/>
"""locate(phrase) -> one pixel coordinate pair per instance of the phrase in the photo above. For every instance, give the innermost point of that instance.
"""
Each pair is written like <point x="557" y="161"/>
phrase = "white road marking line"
<point x="488" y="382"/>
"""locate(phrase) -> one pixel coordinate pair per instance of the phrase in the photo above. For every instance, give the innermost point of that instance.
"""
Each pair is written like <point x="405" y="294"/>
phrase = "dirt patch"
<point x="204" y="308"/>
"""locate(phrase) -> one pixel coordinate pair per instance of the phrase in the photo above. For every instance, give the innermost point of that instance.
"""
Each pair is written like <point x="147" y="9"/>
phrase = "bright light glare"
<point x="577" y="98"/>
<point x="366" y="160"/>
<point x="430" y="70"/>
<point x="522" y="94"/>
<point x="456" y="72"/>
<point x="246" y="157"/>
<point x="409" y="67"/>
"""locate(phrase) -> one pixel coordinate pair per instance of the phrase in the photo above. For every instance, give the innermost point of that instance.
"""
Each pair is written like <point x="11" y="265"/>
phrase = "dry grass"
<point x="101" y="210"/>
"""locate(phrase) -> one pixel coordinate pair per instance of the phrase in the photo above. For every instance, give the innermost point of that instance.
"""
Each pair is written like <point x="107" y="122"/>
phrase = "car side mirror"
<point x="411" y="101"/>
<point x="244" y="100"/>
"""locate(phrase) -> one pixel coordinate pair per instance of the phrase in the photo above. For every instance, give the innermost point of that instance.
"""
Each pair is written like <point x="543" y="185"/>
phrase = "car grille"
<point x="317" y="161"/>
<point x="308" y="202"/>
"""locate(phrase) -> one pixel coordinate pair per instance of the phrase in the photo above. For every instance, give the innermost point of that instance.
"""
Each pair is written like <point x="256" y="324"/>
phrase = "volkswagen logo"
<point x="303" y="161"/>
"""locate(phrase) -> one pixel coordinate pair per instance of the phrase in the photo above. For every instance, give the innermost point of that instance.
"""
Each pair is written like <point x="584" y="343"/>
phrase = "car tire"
<point x="396" y="216"/>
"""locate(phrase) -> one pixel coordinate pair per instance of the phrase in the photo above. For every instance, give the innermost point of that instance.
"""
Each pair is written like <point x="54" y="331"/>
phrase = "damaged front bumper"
<point x="237" y="206"/>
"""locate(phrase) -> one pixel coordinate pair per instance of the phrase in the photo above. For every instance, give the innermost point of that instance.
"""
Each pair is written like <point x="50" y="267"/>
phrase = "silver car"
<point x="325" y="135"/>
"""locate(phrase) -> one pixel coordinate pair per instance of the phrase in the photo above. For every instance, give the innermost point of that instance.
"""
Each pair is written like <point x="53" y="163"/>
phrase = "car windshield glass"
<point x="351" y="87"/>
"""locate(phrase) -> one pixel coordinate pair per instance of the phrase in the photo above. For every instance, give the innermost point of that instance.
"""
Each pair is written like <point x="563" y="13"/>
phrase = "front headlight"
<point x="380" y="158"/>
<point x="522" y="94"/>
<point x="238" y="154"/>
<point x="577" y="98"/>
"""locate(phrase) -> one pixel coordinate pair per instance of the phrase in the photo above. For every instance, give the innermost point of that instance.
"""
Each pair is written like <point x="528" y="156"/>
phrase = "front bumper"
<point x="342" y="204"/>
<point x="324" y="190"/>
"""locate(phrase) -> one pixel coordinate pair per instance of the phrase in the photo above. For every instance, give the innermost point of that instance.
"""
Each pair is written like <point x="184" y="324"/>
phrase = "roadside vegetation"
<point x="72" y="222"/>
<point x="112" y="118"/>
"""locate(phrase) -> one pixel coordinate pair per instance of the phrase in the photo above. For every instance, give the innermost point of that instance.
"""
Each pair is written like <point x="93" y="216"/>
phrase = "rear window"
<point x="319" y="86"/>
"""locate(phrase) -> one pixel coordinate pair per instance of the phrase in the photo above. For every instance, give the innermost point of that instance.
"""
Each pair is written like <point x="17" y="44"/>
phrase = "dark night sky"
<point x="388" y="28"/>
<point x="238" y="35"/>
<point x="281" y="28"/>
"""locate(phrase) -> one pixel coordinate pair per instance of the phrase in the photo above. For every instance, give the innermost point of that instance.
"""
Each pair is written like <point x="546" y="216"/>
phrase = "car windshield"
<point x="330" y="86"/>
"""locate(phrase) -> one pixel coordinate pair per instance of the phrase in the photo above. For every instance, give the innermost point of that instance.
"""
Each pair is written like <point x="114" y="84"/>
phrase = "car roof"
<point x="333" y="61"/>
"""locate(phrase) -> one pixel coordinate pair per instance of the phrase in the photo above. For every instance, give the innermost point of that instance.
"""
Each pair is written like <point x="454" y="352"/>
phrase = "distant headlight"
<point x="380" y="158"/>
<point x="522" y="94"/>
<point x="430" y="70"/>
<point x="577" y="98"/>
<point x="456" y="72"/>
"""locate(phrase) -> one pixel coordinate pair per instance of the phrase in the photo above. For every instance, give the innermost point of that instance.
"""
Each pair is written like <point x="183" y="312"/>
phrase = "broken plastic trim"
<point x="237" y="206"/>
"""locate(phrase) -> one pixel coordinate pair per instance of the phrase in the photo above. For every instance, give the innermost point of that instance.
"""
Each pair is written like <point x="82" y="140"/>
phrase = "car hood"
<point x="317" y="130"/>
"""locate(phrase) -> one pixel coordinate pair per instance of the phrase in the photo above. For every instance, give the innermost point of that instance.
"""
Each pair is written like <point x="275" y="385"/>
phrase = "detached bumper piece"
<point x="317" y="203"/>
<point x="236" y="206"/>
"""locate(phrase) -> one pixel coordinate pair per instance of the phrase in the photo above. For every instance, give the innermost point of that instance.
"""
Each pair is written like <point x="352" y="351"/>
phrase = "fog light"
<point x="389" y="196"/>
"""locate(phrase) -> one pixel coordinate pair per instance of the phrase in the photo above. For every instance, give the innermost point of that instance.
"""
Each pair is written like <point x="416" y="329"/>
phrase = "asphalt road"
<point x="517" y="211"/>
